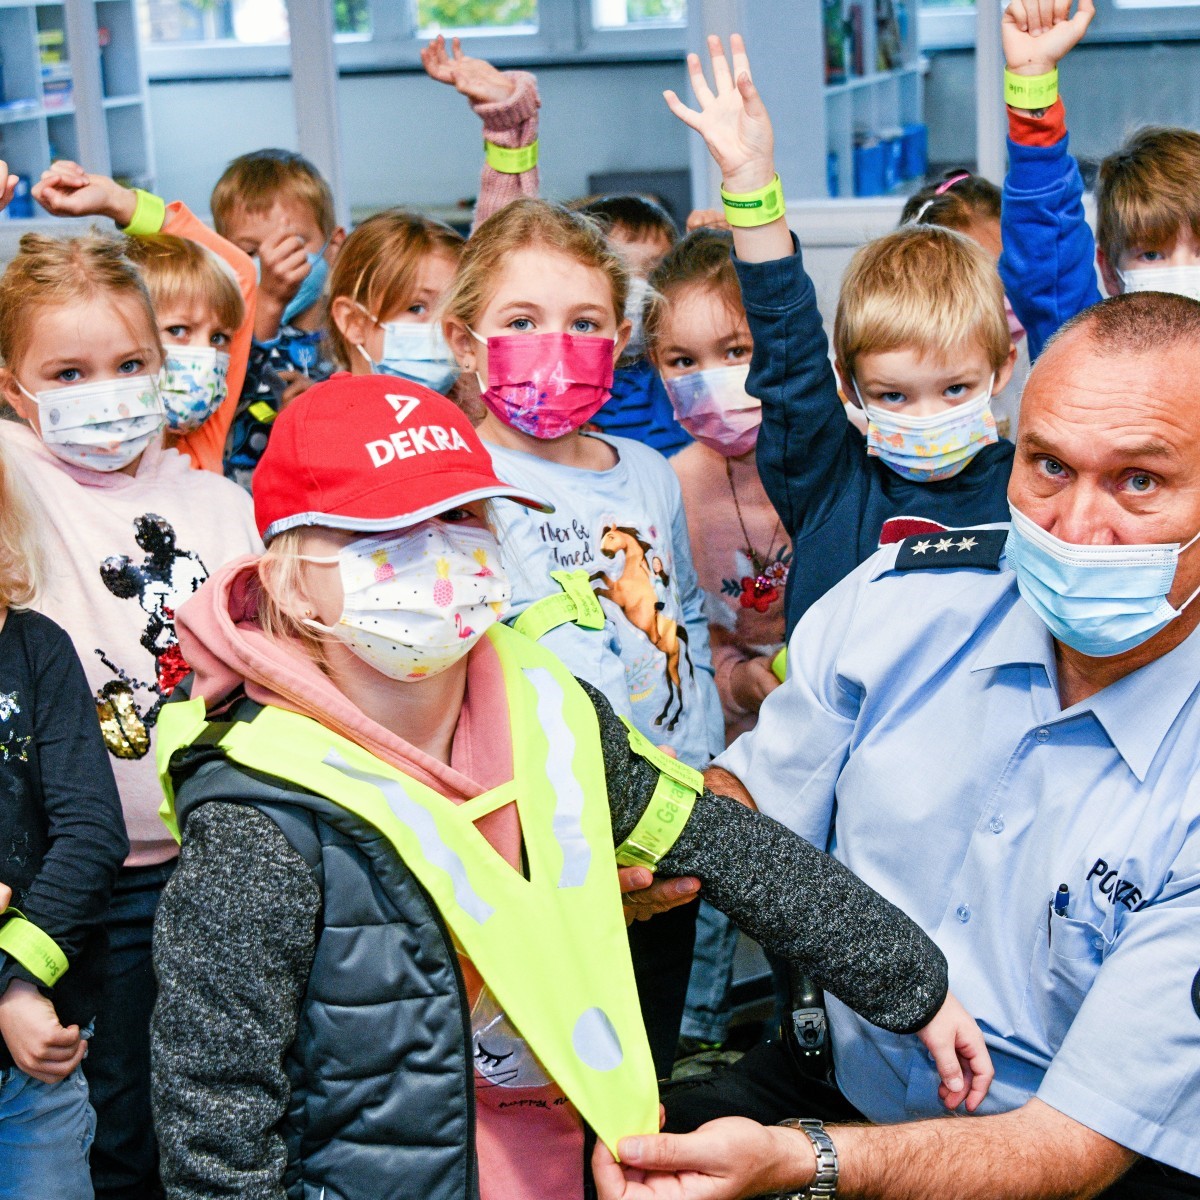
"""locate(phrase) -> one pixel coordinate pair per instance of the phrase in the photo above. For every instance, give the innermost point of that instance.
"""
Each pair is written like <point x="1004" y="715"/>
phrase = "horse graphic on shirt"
<point x="635" y="594"/>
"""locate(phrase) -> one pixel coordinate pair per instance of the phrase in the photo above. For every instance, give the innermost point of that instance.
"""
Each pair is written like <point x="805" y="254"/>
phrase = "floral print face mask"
<point x="192" y="385"/>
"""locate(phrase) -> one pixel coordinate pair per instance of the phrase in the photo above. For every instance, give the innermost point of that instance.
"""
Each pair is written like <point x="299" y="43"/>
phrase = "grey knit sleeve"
<point x="233" y="946"/>
<point x="792" y="898"/>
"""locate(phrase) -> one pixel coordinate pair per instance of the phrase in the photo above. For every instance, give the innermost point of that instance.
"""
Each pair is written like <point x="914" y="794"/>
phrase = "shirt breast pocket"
<point x="1063" y="970"/>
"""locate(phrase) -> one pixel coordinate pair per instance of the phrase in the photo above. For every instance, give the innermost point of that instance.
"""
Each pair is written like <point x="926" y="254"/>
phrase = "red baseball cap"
<point x="372" y="452"/>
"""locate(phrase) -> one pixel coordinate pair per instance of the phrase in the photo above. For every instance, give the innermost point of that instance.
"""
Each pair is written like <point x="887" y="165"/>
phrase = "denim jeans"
<point x="125" y="1152"/>
<point x="708" y="1010"/>
<point x="46" y="1130"/>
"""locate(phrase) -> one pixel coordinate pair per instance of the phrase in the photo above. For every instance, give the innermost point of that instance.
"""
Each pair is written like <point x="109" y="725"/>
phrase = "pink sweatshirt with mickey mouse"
<point x="121" y="553"/>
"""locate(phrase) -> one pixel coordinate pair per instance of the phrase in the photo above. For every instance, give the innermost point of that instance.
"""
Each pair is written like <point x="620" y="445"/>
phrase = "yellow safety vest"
<point x="552" y="947"/>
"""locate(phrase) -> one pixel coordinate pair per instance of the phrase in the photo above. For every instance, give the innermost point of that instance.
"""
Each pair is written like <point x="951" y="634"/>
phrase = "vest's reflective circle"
<point x="596" y="1042"/>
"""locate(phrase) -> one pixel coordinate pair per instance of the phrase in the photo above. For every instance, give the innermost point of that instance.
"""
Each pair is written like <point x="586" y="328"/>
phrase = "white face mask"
<point x="192" y="385"/>
<point x="102" y="426"/>
<point x="1179" y="281"/>
<point x="635" y="312"/>
<point x="417" y="601"/>
<point x="414" y="350"/>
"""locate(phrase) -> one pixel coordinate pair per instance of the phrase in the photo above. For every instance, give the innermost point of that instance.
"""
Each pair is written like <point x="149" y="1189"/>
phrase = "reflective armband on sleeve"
<point x="35" y="950"/>
<point x="659" y="827"/>
<point x="262" y="412"/>
<point x="576" y="603"/>
<point x="509" y="160"/>
<point x="779" y="665"/>
<point x="149" y="214"/>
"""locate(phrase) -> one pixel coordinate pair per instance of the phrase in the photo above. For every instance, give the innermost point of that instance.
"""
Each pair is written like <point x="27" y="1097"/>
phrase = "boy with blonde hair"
<point x="1147" y="191"/>
<point x="921" y="342"/>
<point x="276" y="206"/>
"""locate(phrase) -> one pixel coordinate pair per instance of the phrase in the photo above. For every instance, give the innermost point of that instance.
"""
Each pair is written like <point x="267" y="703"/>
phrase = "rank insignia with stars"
<point x="978" y="548"/>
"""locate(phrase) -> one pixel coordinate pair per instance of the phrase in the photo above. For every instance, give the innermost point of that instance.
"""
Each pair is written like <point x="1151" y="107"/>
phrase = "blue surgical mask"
<point x="311" y="288"/>
<point x="414" y="350"/>
<point x="1099" y="600"/>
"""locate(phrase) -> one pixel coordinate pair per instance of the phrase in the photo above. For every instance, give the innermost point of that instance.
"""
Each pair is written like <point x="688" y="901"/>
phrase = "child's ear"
<point x="352" y="323"/>
<point x="336" y="238"/>
<point x="1006" y="371"/>
<point x="846" y="384"/>
<point x="623" y="331"/>
<point x="461" y="342"/>
<point x="15" y="398"/>
<point x="1112" y="281"/>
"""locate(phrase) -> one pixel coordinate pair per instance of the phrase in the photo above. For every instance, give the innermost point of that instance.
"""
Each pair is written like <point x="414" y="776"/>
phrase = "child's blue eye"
<point x="521" y="324"/>
<point x="955" y="390"/>
<point x="70" y="375"/>
<point x="131" y="366"/>
<point x="220" y="339"/>
<point x="418" y="310"/>
<point x="1152" y="256"/>
<point x="893" y="397"/>
<point x="583" y="325"/>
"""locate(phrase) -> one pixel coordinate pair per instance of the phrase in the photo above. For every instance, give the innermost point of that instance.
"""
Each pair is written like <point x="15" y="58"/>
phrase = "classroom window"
<point x="622" y="14"/>
<point x="475" y="16"/>
<point x="246" y="22"/>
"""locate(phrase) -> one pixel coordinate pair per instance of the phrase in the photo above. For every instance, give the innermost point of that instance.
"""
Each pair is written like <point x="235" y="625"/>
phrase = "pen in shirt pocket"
<point x="1057" y="907"/>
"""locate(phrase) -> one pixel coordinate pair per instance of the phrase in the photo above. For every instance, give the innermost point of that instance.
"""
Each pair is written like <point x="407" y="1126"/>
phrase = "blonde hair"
<point x="922" y="287"/>
<point x="378" y="263"/>
<point x="21" y="561"/>
<point x="54" y="271"/>
<point x="517" y="226"/>
<point x="177" y="270"/>
<point x="280" y="576"/>
<point x="253" y="182"/>
<point x="704" y="258"/>
<point x="1148" y="191"/>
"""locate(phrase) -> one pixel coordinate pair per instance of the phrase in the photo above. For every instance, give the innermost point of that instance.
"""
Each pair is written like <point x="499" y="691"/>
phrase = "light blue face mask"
<point x="1099" y="600"/>
<point x="311" y="287"/>
<point x="414" y="350"/>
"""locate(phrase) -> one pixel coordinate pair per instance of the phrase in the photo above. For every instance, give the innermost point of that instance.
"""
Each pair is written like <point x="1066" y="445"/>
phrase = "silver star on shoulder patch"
<point x="943" y="545"/>
<point x="921" y="547"/>
<point x="967" y="544"/>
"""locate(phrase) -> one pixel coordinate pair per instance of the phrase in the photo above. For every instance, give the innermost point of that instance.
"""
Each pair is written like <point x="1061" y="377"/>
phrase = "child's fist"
<point x="1039" y="33"/>
<point x="67" y="190"/>
<point x="959" y="1054"/>
<point x="475" y="78"/>
<point x="283" y="267"/>
<point x="39" y="1045"/>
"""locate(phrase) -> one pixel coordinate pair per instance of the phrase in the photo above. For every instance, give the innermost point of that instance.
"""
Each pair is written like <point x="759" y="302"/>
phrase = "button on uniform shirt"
<point x="920" y="738"/>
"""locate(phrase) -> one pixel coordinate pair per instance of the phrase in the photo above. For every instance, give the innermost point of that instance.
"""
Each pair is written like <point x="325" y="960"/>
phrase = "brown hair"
<point x="523" y="223"/>
<point x="925" y="288"/>
<point x="702" y="259"/>
<point x="176" y="269"/>
<point x="253" y="182"/>
<point x="378" y="263"/>
<point x="21" y="564"/>
<point x="956" y="201"/>
<point x="638" y="217"/>
<point x="48" y="271"/>
<point x="1148" y="191"/>
<point x="1137" y="323"/>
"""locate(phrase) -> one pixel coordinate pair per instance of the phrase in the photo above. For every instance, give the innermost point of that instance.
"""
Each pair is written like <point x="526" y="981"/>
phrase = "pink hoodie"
<point x="529" y="1140"/>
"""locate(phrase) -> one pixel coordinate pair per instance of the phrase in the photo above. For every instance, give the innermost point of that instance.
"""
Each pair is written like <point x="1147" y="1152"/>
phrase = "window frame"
<point x="565" y="34"/>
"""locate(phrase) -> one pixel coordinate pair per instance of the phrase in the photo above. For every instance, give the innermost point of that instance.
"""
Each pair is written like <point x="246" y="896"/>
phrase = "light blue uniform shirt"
<point x="625" y="527"/>
<point x="919" y="737"/>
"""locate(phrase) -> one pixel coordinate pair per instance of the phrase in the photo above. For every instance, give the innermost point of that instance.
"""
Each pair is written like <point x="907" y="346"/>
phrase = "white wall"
<point x="408" y="140"/>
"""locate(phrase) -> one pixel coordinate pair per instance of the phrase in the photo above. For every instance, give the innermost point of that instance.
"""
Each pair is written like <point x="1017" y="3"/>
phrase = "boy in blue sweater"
<point x="922" y="343"/>
<point x="1147" y="192"/>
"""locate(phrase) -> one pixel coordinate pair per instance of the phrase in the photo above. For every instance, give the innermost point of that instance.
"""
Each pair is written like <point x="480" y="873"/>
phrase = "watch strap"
<point x="825" y="1181"/>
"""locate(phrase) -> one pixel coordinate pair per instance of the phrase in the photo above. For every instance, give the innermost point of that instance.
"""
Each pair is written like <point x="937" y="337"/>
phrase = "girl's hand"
<point x="475" y="78"/>
<point x="644" y="896"/>
<point x="733" y="121"/>
<point x="960" y="1055"/>
<point x="751" y="682"/>
<point x="1037" y="34"/>
<point x="706" y="218"/>
<point x="39" y="1045"/>
<point x="5" y="890"/>
<point x="724" y="1160"/>
<point x="67" y="190"/>
<point x="8" y="185"/>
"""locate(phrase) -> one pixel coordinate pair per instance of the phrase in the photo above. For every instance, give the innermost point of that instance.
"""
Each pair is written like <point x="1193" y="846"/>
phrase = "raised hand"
<point x="732" y="120"/>
<point x="1037" y="34"/>
<point x="960" y="1055"/>
<point x="67" y="190"/>
<point x="475" y="78"/>
<point x="8" y="185"/>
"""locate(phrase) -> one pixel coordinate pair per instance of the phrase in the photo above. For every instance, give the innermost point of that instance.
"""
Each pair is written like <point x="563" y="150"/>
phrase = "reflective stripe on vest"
<point x="552" y="948"/>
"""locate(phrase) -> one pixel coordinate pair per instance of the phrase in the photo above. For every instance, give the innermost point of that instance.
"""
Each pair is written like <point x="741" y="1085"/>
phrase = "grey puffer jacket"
<point x="311" y="1037"/>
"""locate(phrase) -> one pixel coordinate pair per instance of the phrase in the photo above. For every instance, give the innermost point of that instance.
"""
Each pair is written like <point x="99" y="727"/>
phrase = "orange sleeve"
<point x="206" y="445"/>
<point x="1046" y="130"/>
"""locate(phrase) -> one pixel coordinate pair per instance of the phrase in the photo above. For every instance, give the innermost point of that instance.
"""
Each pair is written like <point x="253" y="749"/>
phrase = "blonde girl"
<point x="130" y="530"/>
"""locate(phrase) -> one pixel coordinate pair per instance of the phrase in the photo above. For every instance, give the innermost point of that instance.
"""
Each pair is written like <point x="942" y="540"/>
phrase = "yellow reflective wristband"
<point x="746" y="210"/>
<point x="509" y="160"/>
<point x="779" y="665"/>
<point x="643" y="747"/>
<point x="148" y="215"/>
<point x="576" y="604"/>
<point x="1030" y="91"/>
<point x="35" y="950"/>
<point x="659" y="827"/>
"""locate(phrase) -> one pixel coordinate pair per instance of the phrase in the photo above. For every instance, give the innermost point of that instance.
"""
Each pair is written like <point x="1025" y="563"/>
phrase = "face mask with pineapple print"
<point x="415" y="602"/>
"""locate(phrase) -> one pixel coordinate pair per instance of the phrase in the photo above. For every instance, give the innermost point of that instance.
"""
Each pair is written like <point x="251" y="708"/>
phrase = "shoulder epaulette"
<point x="977" y="548"/>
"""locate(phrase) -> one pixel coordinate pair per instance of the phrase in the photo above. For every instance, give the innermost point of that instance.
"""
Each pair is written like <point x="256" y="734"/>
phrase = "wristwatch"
<point x="824" y="1184"/>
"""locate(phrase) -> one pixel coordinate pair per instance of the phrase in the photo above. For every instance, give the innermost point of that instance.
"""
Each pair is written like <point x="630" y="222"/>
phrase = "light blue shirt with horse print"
<point x="625" y="527"/>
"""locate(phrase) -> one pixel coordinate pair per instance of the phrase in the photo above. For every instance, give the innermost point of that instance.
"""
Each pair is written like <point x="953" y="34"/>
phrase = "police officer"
<point x="998" y="730"/>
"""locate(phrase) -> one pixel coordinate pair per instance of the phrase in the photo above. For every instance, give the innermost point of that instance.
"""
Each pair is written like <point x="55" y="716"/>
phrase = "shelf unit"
<point x="104" y="124"/>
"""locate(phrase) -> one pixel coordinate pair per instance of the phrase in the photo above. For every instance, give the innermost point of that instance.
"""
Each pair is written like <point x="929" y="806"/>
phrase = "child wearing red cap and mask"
<point x="392" y="960"/>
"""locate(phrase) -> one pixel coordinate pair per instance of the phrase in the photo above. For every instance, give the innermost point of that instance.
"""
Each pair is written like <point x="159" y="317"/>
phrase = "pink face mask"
<point x="547" y="384"/>
<point x="715" y="408"/>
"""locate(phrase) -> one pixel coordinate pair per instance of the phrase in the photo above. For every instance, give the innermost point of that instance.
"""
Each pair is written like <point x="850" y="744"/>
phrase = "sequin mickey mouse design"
<point x="160" y="583"/>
